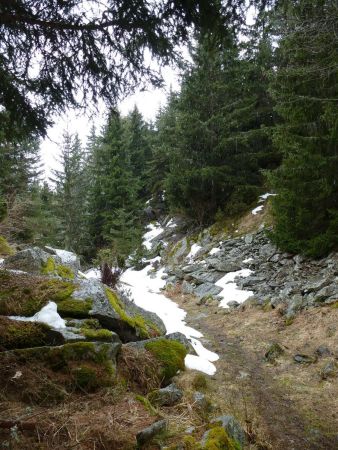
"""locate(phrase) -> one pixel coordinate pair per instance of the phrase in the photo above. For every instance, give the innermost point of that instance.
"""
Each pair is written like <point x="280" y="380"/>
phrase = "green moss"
<point x="75" y="308"/>
<point x="170" y="354"/>
<point x="199" y="382"/>
<point x="190" y="443"/>
<point x="85" y="378"/>
<point x="51" y="268"/>
<point x="335" y="305"/>
<point x="289" y="321"/>
<point x="218" y="439"/>
<point x="97" y="335"/>
<point x="5" y="248"/>
<point x="15" y="334"/>
<point x="146" y="403"/>
<point x="144" y="328"/>
<point x="24" y="295"/>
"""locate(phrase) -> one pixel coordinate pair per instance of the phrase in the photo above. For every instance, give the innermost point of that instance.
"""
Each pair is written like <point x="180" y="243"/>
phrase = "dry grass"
<point x="278" y="404"/>
<point x="139" y="369"/>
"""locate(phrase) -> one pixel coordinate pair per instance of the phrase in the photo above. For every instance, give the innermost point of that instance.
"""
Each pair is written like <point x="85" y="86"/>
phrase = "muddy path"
<point x="282" y="405"/>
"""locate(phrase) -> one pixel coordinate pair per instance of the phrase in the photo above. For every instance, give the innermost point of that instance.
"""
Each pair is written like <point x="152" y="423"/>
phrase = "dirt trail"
<point x="285" y="406"/>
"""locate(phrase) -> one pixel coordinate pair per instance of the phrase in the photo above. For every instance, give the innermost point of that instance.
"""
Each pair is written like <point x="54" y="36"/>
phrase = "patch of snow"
<point x="245" y="261"/>
<point x="214" y="250"/>
<point x="1" y="261"/>
<point x="154" y="230"/>
<point x="257" y="210"/>
<point x="48" y="314"/>
<point x="171" y="224"/>
<point x="92" y="273"/>
<point x="145" y="290"/>
<point x="265" y="196"/>
<point x="231" y="291"/>
<point x="194" y="249"/>
<point x="65" y="256"/>
<point x="18" y="374"/>
<point x="202" y="365"/>
<point x="16" y="271"/>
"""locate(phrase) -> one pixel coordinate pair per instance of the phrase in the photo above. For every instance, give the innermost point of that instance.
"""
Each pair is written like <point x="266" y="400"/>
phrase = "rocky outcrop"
<point x="31" y="260"/>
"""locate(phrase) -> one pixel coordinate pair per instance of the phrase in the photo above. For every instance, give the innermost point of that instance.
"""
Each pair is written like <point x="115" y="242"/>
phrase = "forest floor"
<point x="284" y="404"/>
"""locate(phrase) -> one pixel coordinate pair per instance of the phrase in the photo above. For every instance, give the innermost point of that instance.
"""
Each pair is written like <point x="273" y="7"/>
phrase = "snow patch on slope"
<point x="48" y="315"/>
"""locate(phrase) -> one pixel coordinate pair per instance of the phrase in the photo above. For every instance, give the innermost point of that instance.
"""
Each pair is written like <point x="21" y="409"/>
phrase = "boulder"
<point x="167" y="396"/>
<point x="329" y="370"/>
<point x="150" y="432"/>
<point x="304" y="359"/>
<point x="232" y="427"/>
<point x="187" y="288"/>
<point x="68" y="259"/>
<point x="206" y="290"/>
<point x="323" y="351"/>
<point x="223" y="265"/>
<point x="117" y="313"/>
<point x="205" y="276"/>
<point x="30" y="260"/>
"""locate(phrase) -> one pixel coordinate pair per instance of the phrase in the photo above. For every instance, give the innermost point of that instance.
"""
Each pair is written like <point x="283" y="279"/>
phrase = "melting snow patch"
<point x="214" y="250"/>
<point x="257" y="210"/>
<point x="93" y="273"/>
<point x="231" y="292"/>
<point x="66" y="257"/>
<point x="265" y="196"/>
<point x="154" y="230"/>
<point x="48" y="314"/>
<point x="1" y="261"/>
<point x="171" y="224"/>
<point x="194" y="249"/>
<point x="245" y="261"/>
<point x="145" y="290"/>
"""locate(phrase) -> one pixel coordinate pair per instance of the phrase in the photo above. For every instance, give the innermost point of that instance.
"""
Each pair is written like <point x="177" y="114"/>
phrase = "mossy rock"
<point x="25" y="295"/>
<point x="170" y="354"/>
<point x="74" y="308"/>
<point x="50" y="267"/>
<point x="218" y="439"/>
<point x="5" y="248"/>
<point x="143" y="327"/>
<point x="97" y="335"/>
<point x="16" y="334"/>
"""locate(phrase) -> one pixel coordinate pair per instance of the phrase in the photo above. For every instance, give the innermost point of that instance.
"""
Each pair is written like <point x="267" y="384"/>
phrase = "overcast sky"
<point x="147" y="102"/>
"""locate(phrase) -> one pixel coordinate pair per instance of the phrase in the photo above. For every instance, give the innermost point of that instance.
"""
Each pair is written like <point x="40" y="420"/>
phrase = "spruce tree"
<point x="306" y="91"/>
<point x="71" y="191"/>
<point x="113" y="202"/>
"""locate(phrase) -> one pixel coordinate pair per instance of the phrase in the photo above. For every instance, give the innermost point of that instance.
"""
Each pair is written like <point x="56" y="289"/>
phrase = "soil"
<point x="282" y="405"/>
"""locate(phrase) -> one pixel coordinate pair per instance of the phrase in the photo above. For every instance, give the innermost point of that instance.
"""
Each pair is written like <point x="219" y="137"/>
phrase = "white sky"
<point x="148" y="103"/>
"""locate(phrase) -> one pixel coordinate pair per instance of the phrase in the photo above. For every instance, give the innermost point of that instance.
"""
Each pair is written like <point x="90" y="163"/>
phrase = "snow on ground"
<point x="231" y="292"/>
<point x="214" y="250"/>
<point x="65" y="256"/>
<point x="145" y="290"/>
<point x="257" y="210"/>
<point x="154" y="230"/>
<point x="194" y="249"/>
<point x="171" y="224"/>
<point x="1" y="261"/>
<point x="263" y="197"/>
<point x="92" y="273"/>
<point x="245" y="261"/>
<point x="48" y="314"/>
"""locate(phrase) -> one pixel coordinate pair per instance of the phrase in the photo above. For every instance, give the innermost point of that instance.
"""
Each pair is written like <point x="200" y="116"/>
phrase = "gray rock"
<point x="167" y="396"/>
<point x="316" y="284"/>
<point x="179" y="337"/>
<point x="205" y="276"/>
<point x="295" y="305"/>
<point x="251" y="281"/>
<point x="68" y="259"/>
<point x="206" y="290"/>
<point x="192" y="268"/>
<point x="304" y="359"/>
<point x="29" y="260"/>
<point x="148" y="433"/>
<point x="329" y="370"/>
<point x="327" y="292"/>
<point x="233" y="304"/>
<point x="187" y="288"/>
<point x="181" y="251"/>
<point x="108" y="317"/>
<point x="323" y="351"/>
<point x="231" y="426"/>
<point x="223" y="265"/>
<point x="267" y="251"/>
<point x="248" y="239"/>
<point x="202" y="402"/>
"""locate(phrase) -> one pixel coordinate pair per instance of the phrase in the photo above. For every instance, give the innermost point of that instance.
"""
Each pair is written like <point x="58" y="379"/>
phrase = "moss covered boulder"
<point x="30" y="260"/>
<point x="169" y="353"/>
<point x="55" y="372"/>
<point x="16" y="334"/>
<point x="117" y="313"/>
